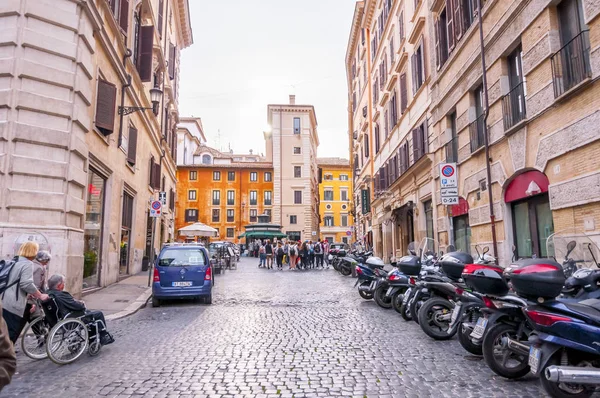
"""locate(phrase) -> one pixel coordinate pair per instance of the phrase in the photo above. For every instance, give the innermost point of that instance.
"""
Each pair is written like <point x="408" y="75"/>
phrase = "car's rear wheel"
<point x="155" y="302"/>
<point x="208" y="299"/>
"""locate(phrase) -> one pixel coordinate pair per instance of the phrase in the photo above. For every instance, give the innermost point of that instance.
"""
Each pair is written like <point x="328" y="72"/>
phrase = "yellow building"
<point x="335" y="192"/>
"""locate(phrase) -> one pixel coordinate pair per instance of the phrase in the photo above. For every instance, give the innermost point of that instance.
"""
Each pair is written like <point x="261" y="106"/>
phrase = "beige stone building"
<point x="75" y="165"/>
<point x="389" y="68"/>
<point x="292" y="149"/>
<point x="543" y="60"/>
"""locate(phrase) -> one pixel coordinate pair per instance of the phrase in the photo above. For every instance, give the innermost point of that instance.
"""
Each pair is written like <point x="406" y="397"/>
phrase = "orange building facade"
<point x="224" y="196"/>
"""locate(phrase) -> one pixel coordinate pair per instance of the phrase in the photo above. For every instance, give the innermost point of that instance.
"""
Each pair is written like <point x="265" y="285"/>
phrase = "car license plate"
<point x="456" y="312"/>
<point x="182" y="284"/>
<point x="534" y="359"/>
<point x="479" y="328"/>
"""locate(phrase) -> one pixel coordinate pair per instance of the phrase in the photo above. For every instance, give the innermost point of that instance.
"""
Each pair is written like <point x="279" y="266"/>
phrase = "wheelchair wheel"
<point x="94" y="348"/>
<point x="67" y="341"/>
<point x="33" y="339"/>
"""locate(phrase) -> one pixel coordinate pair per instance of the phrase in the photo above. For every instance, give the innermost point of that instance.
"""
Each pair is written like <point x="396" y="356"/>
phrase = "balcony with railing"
<point x="513" y="106"/>
<point x="452" y="150"/>
<point x="476" y="131"/>
<point x="571" y="64"/>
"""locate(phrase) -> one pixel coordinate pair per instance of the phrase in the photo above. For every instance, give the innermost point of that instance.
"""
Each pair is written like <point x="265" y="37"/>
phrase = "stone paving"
<point x="270" y="333"/>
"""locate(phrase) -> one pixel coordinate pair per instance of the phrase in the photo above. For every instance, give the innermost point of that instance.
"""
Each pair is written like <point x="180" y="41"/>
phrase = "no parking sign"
<point x="449" y="183"/>
<point x="155" y="209"/>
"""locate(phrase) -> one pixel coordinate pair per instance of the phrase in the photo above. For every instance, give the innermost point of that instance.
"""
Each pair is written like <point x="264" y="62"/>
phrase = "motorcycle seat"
<point x="589" y="308"/>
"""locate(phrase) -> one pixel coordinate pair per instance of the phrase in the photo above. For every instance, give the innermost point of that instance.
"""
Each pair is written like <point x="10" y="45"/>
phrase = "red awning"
<point x="526" y="185"/>
<point x="460" y="209"/>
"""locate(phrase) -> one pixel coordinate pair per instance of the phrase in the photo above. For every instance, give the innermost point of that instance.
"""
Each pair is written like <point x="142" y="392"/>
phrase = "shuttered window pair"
<point x="120" y="9"/>
<point x="418" y="68"/>
<point x="420" y="141"/>
<point x="155" y="174"/>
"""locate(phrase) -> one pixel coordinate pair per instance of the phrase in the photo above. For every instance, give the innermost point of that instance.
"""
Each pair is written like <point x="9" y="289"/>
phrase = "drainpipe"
<point x="128" y="54"/>
<point x="485" y="132"/>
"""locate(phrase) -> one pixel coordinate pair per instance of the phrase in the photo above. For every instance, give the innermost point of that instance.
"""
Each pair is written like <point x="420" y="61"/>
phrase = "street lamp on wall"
<point x="155" y="97"/>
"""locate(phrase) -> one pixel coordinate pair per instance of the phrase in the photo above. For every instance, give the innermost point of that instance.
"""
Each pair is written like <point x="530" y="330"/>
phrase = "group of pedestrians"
<point x="294" y="255"/>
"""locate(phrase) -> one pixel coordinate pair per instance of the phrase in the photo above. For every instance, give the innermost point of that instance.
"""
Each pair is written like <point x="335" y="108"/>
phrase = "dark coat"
<point x="66" y="303"/>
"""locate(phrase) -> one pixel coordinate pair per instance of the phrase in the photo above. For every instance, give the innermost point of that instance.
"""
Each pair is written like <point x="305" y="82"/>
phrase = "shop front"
<point x="461" y="229"/>
<point x="527" y="199"/>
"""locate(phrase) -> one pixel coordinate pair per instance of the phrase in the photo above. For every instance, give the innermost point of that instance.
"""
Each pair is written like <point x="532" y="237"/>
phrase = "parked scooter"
<point x="367" y="276"/>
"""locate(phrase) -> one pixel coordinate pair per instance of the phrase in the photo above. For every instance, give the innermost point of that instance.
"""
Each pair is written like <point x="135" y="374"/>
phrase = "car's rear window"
<point x="182" y="257"/>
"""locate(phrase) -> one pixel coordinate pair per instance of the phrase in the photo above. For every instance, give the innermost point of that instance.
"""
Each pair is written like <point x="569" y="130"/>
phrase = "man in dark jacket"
<point x="67" y="304"/>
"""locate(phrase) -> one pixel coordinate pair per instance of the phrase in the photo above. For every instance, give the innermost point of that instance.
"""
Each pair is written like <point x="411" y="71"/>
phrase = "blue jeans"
<point x="263" y="258"/>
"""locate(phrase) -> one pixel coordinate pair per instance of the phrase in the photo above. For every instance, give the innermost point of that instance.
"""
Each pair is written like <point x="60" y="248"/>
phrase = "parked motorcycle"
<point x="367" y="276"/>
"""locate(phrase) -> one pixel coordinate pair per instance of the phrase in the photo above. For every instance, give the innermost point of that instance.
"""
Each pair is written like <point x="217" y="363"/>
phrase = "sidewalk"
<point x="122" y="298"/>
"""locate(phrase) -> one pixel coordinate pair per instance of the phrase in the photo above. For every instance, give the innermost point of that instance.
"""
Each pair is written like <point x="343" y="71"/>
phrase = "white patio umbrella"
<point x="198" y="229"/>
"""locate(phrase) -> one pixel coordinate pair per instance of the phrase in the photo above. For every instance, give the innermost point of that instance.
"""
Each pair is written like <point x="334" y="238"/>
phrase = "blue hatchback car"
<point x="182" y="271"/>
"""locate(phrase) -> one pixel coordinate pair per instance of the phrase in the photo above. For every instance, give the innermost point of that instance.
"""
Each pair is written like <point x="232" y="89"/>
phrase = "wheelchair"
<point x="61" y="337"/>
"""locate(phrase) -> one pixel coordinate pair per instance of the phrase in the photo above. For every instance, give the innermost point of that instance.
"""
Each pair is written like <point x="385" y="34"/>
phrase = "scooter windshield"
<point x="428" y="250"/>
<point x="573" y="248"/>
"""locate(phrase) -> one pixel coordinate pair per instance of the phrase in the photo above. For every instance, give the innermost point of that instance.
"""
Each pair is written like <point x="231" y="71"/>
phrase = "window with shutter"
<point x="450" y="22"/>
<point x="172" y="53"/>
<point x="401" y="25"/>
<point x="105" y="106"/>
<point x="367" y="152"/>
<point x="132" y="146"/>
<point x="160" y="16"/>
<point x="144" y="64"/>
<point x="436" y="32"/>
<point x="157" y="176"/>
<point x="151" y="176"/>
<point x="172" y="200"/>
<point x="377" y="138"/>
<point x="459" y="26"/>
<point x="415" y="143"/>
<point x="413" y="65"/>
<point x="386" y="130"/>
<point x="403" y="94"/>
<point x="124" y="15"/>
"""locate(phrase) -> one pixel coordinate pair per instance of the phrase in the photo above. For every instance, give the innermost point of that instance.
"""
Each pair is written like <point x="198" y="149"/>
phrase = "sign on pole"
<point x="365" y="200"/>
<point x="349" y="233"/>
<point x="449" y="183"/>
<point x="162" y="197"/>
<point x="155" y="209"/>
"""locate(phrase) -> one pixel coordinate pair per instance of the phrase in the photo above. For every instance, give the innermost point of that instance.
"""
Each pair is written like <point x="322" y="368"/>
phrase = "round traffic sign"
<point x="156" y="205"/>
<point x="349" y="233"/>
<point x="448" y="170"/>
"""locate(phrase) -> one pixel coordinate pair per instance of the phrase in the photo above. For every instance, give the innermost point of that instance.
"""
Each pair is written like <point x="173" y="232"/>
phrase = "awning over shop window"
<point x="460" y="209"/>
<point x="526" y="185"/>
<point x="263" y="234"/>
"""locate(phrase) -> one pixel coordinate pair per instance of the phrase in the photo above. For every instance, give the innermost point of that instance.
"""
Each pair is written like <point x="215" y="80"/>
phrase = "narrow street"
<point x="270" y="333"/>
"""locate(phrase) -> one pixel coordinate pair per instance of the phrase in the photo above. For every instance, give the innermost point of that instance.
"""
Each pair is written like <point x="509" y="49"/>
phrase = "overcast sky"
<point x="248" y="54"/>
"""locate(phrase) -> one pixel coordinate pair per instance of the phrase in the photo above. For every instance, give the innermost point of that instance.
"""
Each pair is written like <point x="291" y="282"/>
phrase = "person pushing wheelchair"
<point x="67" y="304"/>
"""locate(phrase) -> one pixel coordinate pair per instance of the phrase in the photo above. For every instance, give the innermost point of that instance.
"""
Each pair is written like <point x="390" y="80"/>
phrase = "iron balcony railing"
<point x="452" y="150"/>
<point x="476" y="131"/>
<point x="513" y="106"/>
<point x="571" y="64"/>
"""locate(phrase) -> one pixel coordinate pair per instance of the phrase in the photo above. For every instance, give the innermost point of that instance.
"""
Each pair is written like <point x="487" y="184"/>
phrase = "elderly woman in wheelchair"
<point x="66" y="329"/>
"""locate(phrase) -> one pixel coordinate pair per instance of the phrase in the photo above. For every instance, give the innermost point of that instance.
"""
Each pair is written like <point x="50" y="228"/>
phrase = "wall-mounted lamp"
<point x="155" y="96"/>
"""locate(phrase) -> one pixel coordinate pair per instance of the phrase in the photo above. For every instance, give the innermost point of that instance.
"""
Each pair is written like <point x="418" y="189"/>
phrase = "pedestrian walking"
<point x="20" y="284"/>
<point x="311" y="254"/>
<point x="279" y="254"/>
<point x="8" y="359"/>
<point x="40" y="263"/>
<point x="304" y="255"/>
<point x="293" y="254"/>
<point x="319" y="253"/>
<point x="269" y="251"/>
<point x="326" y="252"/>
<point x="263" y="256"/>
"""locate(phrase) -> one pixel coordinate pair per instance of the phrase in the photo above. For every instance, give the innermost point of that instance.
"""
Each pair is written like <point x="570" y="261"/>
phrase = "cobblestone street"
<point x="270" y="333"/>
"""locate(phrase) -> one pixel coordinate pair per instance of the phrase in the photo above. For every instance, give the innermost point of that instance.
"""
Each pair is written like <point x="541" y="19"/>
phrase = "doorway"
<point x="532" y="225"/>
<point x="94" y="225"/>
<point x="125" y="242"/>
<point x="462" y="233"/>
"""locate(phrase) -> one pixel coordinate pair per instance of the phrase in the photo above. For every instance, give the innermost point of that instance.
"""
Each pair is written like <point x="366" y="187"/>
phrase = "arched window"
<point x="206" y="159"/>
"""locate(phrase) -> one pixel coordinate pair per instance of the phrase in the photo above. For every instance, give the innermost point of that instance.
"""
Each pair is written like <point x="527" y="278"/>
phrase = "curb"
<point x="133" y="307"/>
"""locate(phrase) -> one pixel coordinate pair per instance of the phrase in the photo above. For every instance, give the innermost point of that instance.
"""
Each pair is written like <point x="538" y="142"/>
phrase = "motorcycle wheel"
<point x="380" y="299"/>
<point x="397" y="300"/>
<point x="365" y="295"/>
<point x="428" y="318"/>
<point x="464" y="337"/>
<point x="345" y="271"/>
<point x="563" y="390"/>
<point x="405" y="312"/>
<point x="497" y="358"/>
<point x="415" y="306"/>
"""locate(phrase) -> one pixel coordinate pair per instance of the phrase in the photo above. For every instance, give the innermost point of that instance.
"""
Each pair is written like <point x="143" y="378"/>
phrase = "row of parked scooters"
<point x="538" y="316"/>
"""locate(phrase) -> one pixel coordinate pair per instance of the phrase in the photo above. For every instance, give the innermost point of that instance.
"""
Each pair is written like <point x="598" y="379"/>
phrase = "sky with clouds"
<point x="248" y="54"/>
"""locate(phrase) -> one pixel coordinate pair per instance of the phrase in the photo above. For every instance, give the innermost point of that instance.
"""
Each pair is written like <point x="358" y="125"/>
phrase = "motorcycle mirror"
<point x="486" y="249"/>
<point x="570" y="246"/>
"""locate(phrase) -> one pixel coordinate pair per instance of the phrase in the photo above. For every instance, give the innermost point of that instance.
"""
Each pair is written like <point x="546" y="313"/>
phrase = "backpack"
<point x="293" y="251"/>
<point x="5" y="270"/>
<point x="318" y="248"/>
